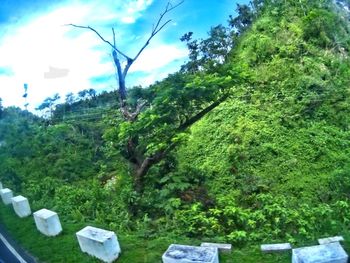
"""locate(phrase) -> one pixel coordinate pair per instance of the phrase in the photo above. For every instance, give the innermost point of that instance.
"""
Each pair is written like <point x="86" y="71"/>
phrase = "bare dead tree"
<point x="140" y="162"/>
<point x="128" y="114"/>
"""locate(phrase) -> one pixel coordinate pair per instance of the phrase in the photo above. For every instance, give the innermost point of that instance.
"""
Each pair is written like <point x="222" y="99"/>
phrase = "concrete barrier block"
<point x="272" y="248"/>
<point x="327" y="240"/>
<point x="190" y="254"/>
<point x="47" y="222"/>
<point x="99" y="243"/>
<point x="6" y="195"/>
<point x="222" y="247"/>
<point x="21" y="206"/>
<point x="327" y="253"/>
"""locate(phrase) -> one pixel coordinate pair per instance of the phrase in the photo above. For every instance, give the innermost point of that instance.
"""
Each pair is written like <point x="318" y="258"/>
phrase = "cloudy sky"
<point x="38" y="49"/>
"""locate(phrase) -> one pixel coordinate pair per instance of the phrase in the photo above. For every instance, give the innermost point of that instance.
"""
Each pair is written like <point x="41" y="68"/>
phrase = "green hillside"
<point x="276" y="154"/>
<point x="248" y="143"/>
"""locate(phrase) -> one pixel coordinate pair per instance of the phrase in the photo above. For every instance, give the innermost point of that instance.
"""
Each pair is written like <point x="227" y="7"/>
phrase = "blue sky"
<point x="36" y="48"/>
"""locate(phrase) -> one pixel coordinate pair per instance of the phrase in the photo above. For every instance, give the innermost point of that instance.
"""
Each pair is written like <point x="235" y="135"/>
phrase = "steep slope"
<point x="277" y="154"/>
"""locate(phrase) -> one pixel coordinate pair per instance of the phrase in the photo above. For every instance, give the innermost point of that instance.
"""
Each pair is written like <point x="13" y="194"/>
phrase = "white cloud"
<point x="119" y="11"/>
<point x="157" y="56"/>
<point x="151" y="78"/>
<point x="128" y="19"/>
<point x="41" y="44"/>
<point x="31" y="49"/>
<point x="133" y="9"/>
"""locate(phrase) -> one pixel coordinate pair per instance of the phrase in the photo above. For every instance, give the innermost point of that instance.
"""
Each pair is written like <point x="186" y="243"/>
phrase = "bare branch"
<point x="162" y="26"/>
<point x="140" y="105"/>
<point x="101" y="37"/>
<point x="131" y="116"/>
<point x="94" y="30"/>
<point x="158" y="27"/>
<point x="127" y="66"/>
<point x="202" y="113"/>
<point x="113" y="37"/>
<point x="155" y="30"/>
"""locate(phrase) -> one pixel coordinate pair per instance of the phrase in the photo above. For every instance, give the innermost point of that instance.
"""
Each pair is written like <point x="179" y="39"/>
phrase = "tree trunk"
<point x="147" y="163"/>
<point x="142" y="167"/>
<point x="141" y="173"/>
<point x="121" y="78"/>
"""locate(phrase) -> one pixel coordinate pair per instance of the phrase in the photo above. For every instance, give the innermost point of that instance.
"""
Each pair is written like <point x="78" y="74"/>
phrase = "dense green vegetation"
<point x="65" y="248"/>
<point x="281" y="144"/>
<point x="248" y="142"/>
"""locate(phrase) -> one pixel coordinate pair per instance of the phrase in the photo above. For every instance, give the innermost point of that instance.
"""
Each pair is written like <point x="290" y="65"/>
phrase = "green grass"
<point x="65" y="248"/>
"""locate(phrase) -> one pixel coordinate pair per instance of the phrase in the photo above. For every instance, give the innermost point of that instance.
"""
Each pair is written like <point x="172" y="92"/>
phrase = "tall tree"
<point x="207" y="54"/>
<point x="147" y="135"/>
<point x="48" y="105"/>
<point x="70" y="98"/>
<point x="91" y="93"/>
<point x="245" y="17"/>
<point x="128" y="113"/>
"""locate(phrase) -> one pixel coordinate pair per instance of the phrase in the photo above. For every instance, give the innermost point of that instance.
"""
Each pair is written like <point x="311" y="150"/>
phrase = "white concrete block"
<point x="327" y="240"/>
<point x="190" y="254"/>
<point x="271" y="248"/>
<point x="327" y="253"/>
<point x="21" y="206"/>
<point x="99" y="243"/>
<point x="6" y="195"/>
<point x="47" y="222"/>
<point x="220" y="246"/>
